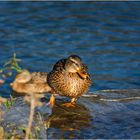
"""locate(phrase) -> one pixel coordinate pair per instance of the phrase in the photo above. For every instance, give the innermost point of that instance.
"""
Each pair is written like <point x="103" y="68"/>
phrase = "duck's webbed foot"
<point x="70" y="104"/>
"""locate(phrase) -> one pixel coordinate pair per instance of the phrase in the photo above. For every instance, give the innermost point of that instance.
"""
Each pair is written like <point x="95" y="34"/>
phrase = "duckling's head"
<point x="23" y="77"/>
<point x="74" y="65"/>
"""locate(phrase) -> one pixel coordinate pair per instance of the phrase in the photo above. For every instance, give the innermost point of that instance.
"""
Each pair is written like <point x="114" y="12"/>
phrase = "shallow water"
<point x="105" y="34"/>
<point x="93" y="117"/>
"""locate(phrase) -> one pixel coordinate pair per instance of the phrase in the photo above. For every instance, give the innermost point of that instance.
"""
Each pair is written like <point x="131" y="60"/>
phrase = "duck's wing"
<point x="84" y="68"/>
<point x="85" y="71"/>
<point x="60" y="64"/>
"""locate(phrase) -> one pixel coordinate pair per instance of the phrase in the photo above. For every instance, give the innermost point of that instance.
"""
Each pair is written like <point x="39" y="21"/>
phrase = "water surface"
<point x="93" y="117"/>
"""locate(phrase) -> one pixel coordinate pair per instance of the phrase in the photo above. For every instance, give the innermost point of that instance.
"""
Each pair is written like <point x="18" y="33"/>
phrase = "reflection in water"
<point x="68" y="122"/>
<point x="70" y="118"/>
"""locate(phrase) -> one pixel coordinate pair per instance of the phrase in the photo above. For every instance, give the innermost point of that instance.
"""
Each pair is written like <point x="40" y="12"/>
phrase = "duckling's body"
<point x="68" y="79"/>
<point x="39" y="77"/>
<point x="26" y="82"/>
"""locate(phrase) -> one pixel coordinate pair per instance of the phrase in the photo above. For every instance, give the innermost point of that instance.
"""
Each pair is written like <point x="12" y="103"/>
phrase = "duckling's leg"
<point x="70" y="104"/>
<point x="51" y="101"/>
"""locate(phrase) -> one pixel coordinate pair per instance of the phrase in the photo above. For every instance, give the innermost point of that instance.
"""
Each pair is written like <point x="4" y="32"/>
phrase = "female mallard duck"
<point x="70" y="78"/>
<point x="26" y="82"/>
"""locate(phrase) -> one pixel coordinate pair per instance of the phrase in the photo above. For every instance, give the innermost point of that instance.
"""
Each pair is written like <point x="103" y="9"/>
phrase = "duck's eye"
<point x="76" y="64"/>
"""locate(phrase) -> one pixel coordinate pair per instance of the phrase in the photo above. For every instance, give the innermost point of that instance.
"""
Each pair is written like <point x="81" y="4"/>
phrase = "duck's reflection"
<point x="72" y="118"/>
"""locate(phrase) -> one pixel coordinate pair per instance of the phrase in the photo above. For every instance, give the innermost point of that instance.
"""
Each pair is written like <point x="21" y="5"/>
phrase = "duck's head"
<point x="23" y="77"/>
<point x="74" y="65"/>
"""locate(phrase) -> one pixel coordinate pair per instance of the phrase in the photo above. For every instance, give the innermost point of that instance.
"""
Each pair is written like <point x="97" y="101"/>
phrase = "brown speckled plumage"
<point x="26" y="82"/>
<point x="66" y="83"/>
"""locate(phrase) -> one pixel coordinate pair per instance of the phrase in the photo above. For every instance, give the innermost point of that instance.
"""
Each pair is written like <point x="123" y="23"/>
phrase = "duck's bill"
<point x="82" y="75"/>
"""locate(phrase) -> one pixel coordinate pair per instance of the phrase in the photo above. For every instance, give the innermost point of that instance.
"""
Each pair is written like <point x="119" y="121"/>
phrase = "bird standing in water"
<point x="70" y="78"/>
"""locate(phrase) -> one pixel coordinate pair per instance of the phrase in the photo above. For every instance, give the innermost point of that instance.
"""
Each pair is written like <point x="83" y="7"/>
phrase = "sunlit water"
<point x="105" y="34"/>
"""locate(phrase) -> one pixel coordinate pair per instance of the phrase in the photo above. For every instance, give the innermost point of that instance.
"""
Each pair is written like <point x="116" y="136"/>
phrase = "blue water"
<point x="106" y="35"/>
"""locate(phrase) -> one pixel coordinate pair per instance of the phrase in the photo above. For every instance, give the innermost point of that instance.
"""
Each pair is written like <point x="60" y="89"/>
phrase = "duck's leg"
<point x="52" y="98"/>
<point x="51" y="101"/>
<point x="70" y="104"/>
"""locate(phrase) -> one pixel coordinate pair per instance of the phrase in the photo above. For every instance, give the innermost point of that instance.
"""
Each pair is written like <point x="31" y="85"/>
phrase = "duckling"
<point x="69" y="77"/>
<point x="26" y="82"/>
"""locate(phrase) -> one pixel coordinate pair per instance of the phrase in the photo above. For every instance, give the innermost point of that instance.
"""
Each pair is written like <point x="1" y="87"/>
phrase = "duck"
<point x="70" y="78"/>
<point x="26" y="82"/>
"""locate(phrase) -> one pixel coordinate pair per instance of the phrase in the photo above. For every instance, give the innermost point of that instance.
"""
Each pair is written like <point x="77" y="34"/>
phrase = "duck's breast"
<point x="68" y="84"/>
<point x="77" y="86"/>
